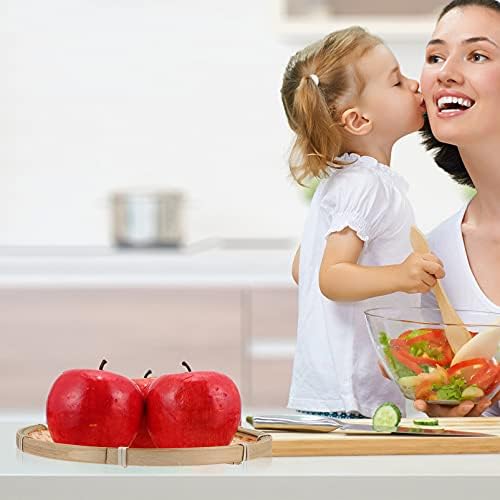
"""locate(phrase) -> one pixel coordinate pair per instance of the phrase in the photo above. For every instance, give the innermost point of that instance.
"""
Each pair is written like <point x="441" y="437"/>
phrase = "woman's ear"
<point x="355" y="123"/>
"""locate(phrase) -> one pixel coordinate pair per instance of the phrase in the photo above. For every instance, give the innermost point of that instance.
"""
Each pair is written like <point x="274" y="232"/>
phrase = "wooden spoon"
<point x="454" y="329"/>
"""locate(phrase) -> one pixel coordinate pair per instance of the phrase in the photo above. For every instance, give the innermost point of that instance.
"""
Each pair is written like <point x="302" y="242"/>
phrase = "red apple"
<point x="94" y="408"/>
<point x="143" y="439"/>
<point x="186" y="410"/>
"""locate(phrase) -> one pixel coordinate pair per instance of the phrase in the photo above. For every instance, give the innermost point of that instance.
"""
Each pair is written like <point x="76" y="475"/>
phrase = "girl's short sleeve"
<point x="358" y="199"/>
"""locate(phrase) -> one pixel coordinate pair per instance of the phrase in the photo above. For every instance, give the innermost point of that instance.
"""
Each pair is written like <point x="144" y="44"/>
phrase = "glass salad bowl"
<point x="412" y="347"/>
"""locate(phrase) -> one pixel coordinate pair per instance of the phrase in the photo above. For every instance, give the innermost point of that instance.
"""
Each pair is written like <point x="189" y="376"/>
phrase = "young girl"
<point x="348" y="103"/>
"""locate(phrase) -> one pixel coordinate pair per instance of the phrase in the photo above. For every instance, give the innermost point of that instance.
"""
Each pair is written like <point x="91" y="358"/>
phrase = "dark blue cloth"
<point x="333" y="414"/>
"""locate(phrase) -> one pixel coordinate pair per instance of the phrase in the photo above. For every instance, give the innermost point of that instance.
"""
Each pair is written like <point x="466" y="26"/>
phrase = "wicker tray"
<point x="246" y="445"/>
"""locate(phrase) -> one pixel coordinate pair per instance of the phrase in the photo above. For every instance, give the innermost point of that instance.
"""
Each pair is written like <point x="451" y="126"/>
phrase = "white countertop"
<point x="25" y="476"/>
<point x="209" y="263"/>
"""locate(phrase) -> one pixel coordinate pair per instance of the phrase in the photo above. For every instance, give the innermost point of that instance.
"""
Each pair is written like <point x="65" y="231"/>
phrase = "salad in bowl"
<point x="411" y="345"/>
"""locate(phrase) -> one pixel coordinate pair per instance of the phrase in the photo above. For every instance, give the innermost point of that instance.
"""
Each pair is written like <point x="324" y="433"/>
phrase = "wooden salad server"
<point x="455" y="331"/>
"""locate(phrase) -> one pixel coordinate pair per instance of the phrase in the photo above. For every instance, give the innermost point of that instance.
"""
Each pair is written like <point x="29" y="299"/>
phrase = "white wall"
<point x="101" y="95"/>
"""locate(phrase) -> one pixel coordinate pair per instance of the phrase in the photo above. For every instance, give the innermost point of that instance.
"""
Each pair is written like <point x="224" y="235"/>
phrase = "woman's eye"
<point x="433" y="59"/>
<point x="397" y="84"/>
<point x="476" y="57"/>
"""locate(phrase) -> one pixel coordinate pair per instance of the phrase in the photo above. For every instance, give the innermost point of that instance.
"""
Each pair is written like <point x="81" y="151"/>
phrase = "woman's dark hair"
<point x="489" y="4"/>
<point x="447" y="156"/>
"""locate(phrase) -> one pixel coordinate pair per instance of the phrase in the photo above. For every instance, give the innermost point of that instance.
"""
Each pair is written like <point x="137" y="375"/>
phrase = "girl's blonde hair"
<point x="314" y="109"/>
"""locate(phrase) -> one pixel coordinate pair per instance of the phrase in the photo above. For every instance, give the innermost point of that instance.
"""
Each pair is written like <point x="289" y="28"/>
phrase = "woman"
<point x="461" y="86"/>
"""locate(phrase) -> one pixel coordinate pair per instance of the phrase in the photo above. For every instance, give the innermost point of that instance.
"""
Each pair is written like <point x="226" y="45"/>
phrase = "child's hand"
<point x="419" y="272"/>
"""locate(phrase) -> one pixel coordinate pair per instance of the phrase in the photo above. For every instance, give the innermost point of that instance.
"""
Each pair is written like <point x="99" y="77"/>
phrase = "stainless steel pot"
<point x="147" y="219"/>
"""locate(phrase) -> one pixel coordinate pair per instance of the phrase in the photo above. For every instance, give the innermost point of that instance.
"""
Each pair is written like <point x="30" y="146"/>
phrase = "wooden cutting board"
<point x="301" y="444"/>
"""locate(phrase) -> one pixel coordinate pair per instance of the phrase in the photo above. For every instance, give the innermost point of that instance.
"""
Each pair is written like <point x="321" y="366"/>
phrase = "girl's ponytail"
<point x="318" y="83"/>
<point x="319" y="138"/>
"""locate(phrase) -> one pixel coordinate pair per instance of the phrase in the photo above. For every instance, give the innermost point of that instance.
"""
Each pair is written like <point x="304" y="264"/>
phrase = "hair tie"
<point x="314" y="78"/>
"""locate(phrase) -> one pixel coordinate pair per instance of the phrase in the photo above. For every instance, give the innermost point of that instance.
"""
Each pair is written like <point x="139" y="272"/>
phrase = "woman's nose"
<point x="450" y="73"/>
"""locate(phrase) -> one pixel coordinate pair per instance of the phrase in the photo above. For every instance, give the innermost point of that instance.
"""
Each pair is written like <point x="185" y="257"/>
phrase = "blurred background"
<point x="146" y="212"/>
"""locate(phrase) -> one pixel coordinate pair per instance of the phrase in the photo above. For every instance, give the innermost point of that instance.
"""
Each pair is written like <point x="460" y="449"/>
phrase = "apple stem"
<point x="103" y="362"/>
<point x="148" y="373"/>
<point x="188" y="368"/>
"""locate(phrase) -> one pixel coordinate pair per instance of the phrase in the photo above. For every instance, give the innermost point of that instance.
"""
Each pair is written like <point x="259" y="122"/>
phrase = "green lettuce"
<point x="396" y="367"/>
<point x="422" y="347"/>
<point x="452" y="390"/>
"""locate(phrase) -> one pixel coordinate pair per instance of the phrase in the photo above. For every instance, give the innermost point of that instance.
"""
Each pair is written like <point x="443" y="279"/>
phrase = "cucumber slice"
<point x="426" y="421"/>
<point x="472" y="392"/>
<point x="386" y="417"/>
<point x="408" y="385"/>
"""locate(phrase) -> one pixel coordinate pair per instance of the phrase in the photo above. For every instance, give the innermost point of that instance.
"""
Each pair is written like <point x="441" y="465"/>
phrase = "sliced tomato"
<point x="433" y="336"/>
<point x="403" y="350"/>
<point x="406" y="359"/>
<point x="435" y="342"/>
<point x="485" y="376"/>
<point x="495" y="382"/>
<point x="469" y="367"/>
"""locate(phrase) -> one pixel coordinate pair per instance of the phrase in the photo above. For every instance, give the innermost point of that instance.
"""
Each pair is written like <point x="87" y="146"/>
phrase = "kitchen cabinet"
<point x="272" y="316"/>
<point x="233" y="311"/>
<point x="47" y="331"/>
<point x="247" y="334"/>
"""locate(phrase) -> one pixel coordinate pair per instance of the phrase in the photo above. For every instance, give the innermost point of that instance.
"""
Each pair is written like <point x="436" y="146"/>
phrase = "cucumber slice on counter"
<point x="386" y="417"/>
<point x="426" y="421"/>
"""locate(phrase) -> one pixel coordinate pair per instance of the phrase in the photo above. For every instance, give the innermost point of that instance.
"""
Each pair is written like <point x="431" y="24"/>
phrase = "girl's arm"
<point x="295" y="266"/>
<point x="341" y="278"/>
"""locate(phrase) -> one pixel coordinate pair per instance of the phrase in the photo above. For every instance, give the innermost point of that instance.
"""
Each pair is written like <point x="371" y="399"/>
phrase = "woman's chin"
<point x="451" y="134"/>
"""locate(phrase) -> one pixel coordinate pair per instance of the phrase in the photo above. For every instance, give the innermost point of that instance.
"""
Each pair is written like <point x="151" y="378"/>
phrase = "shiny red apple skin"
<point x="143" y="439"/>
<point x="94" y="408"/>
<point x="194" y="409"/>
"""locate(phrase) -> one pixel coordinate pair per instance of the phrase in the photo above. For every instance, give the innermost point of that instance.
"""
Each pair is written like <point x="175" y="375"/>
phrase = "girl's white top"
<point x="460" y="284"/>
<point x="335" y="366"/>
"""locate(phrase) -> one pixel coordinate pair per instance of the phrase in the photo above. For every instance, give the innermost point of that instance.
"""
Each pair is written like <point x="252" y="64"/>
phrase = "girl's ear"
<point x="355" y="123"/>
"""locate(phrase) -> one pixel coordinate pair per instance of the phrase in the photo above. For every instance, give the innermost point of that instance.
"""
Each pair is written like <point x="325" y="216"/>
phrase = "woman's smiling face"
<point x="461" y="76"/>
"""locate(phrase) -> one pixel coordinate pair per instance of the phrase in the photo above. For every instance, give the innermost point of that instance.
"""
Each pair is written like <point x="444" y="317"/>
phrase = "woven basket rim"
<point x="247" y="444"/>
